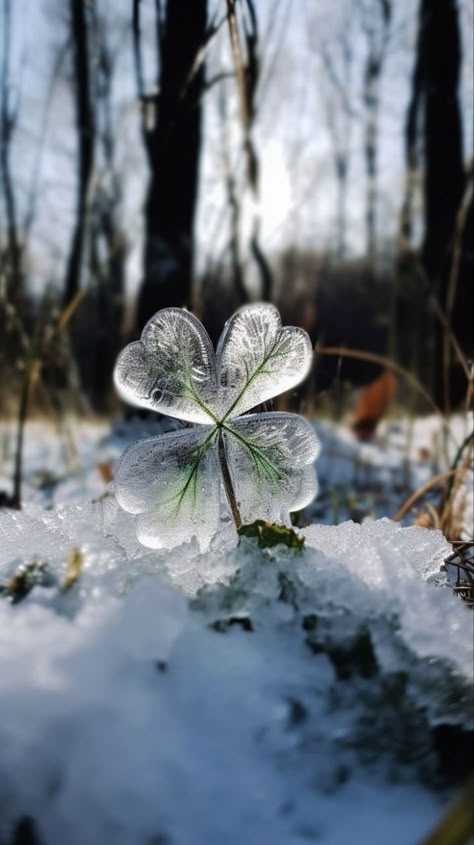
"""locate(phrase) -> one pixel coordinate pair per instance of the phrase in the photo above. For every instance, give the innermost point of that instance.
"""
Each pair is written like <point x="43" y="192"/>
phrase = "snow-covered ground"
<point x="236" y="696"/>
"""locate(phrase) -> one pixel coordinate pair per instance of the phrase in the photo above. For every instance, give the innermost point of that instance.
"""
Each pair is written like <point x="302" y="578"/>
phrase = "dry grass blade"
<point x="425" y="488"/>
<point x="455" y="828"/>
<point x="450" y="336"/>
<point x="74" y="568"/>
<point x="69" y="311"/>
<point x="33" y="363"/>
<point x="453" y="506"/>
<point x="239" y="65"/>
<point x="372" y="357"/>
<point x="461" y="221"/>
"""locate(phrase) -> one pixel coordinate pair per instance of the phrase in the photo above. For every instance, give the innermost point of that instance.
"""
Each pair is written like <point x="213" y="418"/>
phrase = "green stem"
<point x="228" y="486"/>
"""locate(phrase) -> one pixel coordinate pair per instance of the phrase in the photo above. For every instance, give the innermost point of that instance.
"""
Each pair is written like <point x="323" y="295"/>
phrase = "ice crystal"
<point x="173" y="482"/>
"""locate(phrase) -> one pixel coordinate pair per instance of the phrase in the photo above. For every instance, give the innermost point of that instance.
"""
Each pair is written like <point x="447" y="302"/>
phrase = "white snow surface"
<point x="237" y="696"/>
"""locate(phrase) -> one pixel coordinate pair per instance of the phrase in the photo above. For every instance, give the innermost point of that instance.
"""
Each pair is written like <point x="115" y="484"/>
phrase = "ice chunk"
<point x="287" y="697"/>
<point x="401" y="567"/>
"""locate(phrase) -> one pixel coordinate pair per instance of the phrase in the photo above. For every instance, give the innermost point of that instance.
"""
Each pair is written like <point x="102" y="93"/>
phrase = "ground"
<point x="237" y="695"/>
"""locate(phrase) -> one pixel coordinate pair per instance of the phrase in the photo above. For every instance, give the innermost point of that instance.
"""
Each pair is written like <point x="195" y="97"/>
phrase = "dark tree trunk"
<point x="444" y="177"/>
<point x="434" y="108"/>
<point x="412" y="127"/>
<point x="12" y="257"/>
<point x="98" y="325"/>
<point x="85" y="136"/>
<point x="444" y="173"/>
<point x="173" y="146"/>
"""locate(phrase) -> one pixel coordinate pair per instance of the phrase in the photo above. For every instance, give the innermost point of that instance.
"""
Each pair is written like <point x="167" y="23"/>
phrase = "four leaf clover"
<point x="263" y="461"/>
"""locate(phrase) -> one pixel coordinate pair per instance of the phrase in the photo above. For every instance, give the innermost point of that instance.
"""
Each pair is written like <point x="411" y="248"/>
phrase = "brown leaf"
<point x="423" y="520"/>
<point x="424" y="454"/>
<point x="428" y="518"/>
<point x="74" y="568"/>
<point x="373" y="405"/>
<point x="105" y="471"/>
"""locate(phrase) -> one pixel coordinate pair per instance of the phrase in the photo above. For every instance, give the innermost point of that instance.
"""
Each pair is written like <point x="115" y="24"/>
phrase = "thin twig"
<point x="450" y="336"/>
<point x="457" y="459"/>
<point x="238" y="65"/>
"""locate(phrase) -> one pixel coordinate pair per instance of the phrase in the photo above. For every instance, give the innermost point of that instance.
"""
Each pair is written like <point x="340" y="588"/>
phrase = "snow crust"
<point x="238" y="696"/>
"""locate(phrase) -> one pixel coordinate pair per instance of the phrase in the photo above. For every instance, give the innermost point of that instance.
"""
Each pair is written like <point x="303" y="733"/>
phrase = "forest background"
<point x="207" y="154"/>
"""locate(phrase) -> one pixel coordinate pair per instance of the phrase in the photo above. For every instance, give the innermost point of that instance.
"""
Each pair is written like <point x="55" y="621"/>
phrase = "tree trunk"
<point x="12" y="261"/>
<point x="444" y="174"/>
<point x="173" y="146"/>
<point x="377" y="29"/>
<point x="85" y="136"/>
<point x="434" y="108"/>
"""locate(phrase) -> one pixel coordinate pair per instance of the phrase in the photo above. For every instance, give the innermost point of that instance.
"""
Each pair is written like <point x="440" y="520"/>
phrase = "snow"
<point x="228" y="697"/>
<point x="375" y="478"/>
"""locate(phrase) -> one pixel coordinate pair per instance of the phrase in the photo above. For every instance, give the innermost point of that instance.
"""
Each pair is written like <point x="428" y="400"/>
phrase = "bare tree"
<point x="106" y="242"/>
<point x="233" y="201"/>
<point x="337" y="59"/>
<point x="171" y="130"/>
<point x="12" y="260"/>
<point x="435" y="113"/>
<point x="246" y="69"/>
<point x="376" y="18"/>
<point x="85" y="128"/>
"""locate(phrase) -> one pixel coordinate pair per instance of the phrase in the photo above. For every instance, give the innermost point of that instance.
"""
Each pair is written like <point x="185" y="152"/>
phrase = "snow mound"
<point x="236" y="696"/>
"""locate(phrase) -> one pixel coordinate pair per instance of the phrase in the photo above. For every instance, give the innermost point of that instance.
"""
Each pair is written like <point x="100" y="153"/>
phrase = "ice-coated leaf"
<point x="270" y="459"/>
<point x="258" y="358"/>
<point x="171" y="369"/>
<point x="172" y="483"/>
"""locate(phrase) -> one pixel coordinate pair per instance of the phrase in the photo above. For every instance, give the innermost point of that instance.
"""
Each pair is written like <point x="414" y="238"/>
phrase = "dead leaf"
<point x="428" y="518"/>
<point x="373" y="405"/>
<point x="74" y="568"/>
<point x="424" y="454"/>
<point x="105" y="471"/>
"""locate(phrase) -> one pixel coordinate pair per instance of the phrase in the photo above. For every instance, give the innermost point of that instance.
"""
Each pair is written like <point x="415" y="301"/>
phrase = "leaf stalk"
<point x="228" y="486"/>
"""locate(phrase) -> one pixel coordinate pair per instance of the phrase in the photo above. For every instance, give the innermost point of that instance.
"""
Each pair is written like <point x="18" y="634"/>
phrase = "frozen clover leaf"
<point x="263" y="461"/>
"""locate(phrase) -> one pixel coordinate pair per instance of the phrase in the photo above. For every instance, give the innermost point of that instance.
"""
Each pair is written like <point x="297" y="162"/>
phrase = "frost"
<point x="172" y="483"/>
<point x="229" y="697"/>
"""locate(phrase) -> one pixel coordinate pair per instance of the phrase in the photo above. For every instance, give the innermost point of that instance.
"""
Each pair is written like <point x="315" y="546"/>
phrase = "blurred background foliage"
<point x="206" y="154"/>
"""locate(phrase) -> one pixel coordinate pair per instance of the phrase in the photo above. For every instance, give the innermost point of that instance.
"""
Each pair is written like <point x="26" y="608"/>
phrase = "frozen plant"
<point x="265" y="461"/>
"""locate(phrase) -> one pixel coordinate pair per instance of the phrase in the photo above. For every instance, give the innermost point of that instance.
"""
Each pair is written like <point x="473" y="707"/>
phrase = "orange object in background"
<point x="373" y="405"/>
